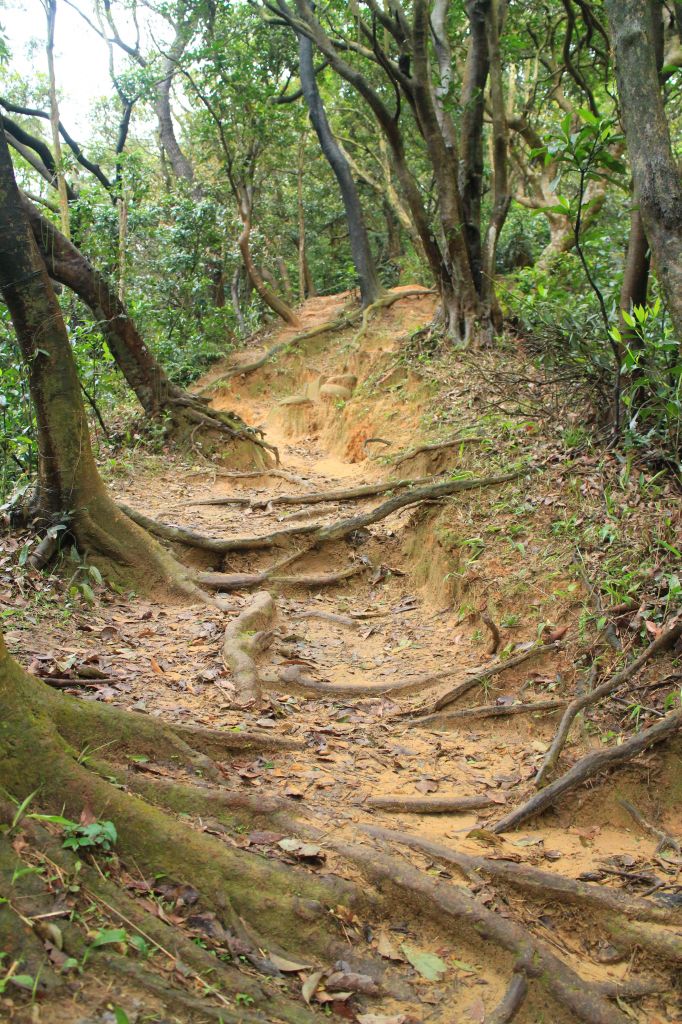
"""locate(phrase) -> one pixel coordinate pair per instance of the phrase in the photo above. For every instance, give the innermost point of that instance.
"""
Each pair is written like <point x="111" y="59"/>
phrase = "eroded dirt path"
<point x="404" y="617"/>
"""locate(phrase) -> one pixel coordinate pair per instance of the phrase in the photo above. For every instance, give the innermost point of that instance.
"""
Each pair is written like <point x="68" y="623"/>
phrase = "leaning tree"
<point x="401" y="50"/>
<point x="70" y="491"/>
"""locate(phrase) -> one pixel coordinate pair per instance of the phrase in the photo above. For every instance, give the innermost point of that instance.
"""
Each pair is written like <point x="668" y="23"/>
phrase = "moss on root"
<point x="40" y="733"/>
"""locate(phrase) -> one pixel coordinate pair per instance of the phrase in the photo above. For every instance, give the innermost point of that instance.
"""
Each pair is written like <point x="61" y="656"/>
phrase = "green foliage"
<point x="99" y="836"/>
<point x="95" y="837"/>
<point x="18" y="450"/>
<point x="652" y="375"/>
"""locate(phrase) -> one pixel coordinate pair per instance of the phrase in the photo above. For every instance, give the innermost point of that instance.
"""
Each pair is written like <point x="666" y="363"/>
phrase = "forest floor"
<point x="545" y="557"/>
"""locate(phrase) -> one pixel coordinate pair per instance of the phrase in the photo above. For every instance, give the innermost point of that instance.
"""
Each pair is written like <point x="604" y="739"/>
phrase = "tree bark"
<point x="500" y="149"/>
<point x="658" y="190"/>
<point x="408" y="182"/>
<point x="51" y="11"/>
<point x="370" y="287"/>
<point x="180" y="165"/>
<point x="276" y="304"/>
<point x="236" y="299"/>
<point x="70" y="489"/>
<point x="473" y="102"/>
<point x="636" y="272"/>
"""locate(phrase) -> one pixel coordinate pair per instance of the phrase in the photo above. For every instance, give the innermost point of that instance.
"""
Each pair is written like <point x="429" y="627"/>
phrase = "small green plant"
<point x="244" y="999"/>
<point x="96" y="837"/>
<point x="10" y="977"/>
<point x="576" y="437"/>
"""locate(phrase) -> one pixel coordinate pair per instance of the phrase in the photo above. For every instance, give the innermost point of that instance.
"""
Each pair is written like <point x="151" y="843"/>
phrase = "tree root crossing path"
<point x="374" y="736"/>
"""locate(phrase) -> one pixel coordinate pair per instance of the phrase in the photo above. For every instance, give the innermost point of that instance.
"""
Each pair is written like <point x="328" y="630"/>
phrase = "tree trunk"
<point x="302" y="280"/>
<point x="69" y="486"/>
<point x="286" y="280"/>
<point x="263" y="902"/>
<point x="181" y="166"/>
<point x="636" y="272"/>
<point x="51" y="11"/>
<point x="236" y="299"/>
<point x="658" y="190"/>
<point x="276" y="304"/>
<point x="393" y="240"/>
<point x="473" y="105"/>
<point x="370" y="287"/>
<point x="66" y="264"/>
<point x="500" y="148"/>
<point x="458" y="273"/>
<point x="308" y="281"/>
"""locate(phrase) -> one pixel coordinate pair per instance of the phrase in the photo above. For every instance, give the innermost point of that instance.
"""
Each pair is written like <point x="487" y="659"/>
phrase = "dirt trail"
<point x="394" y="623"/>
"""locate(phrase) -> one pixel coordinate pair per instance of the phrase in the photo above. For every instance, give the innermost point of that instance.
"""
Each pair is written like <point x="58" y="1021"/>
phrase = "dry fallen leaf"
<point x="287" y="966"/>
<point x="310" y="985"/>
<point x="386" y="948"/>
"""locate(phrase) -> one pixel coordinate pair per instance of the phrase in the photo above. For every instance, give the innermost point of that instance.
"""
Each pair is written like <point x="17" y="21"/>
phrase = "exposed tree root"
<point x="665" y="841"/>
<point x="244" y="369"/>
<point x="440" y="446"/>
<point x="226" y="582"/>
<point x="318" y="534"/>
<point x="493" y="711"/>
<point x="319" y="497"/>
<point x="589" y="766"/>
<point x="210" y="801"/>
<point x="175" y="998"/>
<point x="22" y="899"/>
<point x="383" y="302"/>
<point x="206" y="973"/>
<point x="495" y="635"/>
<point x="244" y="638"/>
<point x="340" y="620"/>
<point x="249" y="474"/>
<point x="540" y="884"/>
<point x="429" y="804"/>
<point x="343" y="527"/>
<point x="430" y="711"/>
<point x="40" y="735"/>
<point x="580" y="997"/>
<point x="299" y="681"/>
<point x="190" y="538"/>
<point x="513" y="999"/>
<point x="666" y="639"/>
<point x="194" y="410"/>
<point x="339" y="324"/>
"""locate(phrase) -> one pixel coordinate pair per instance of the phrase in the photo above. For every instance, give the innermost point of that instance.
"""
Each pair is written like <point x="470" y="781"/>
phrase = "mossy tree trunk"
<point x="43" y="732"/>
